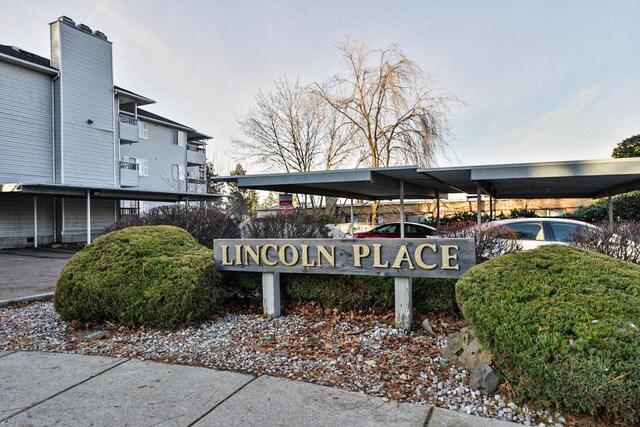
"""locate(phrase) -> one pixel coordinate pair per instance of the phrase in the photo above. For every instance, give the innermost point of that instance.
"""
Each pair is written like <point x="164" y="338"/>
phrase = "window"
<point x="143" y="165"/>
<point x="562" y="230"/>
<point x="413" y="228"/>
<point x="528" y="230"/>
<point x="178" y="138"/>
<point x="143" y="130"/>
<point x="178" y="172"/>
<point x="391" y="228"/>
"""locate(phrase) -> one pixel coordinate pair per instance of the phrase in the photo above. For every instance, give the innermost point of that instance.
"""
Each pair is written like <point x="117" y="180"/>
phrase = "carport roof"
<point x="103" y="193"/>
<point x="365" y="184"/>
<point x="563" y="179"/>
<point x="578" y="178"/>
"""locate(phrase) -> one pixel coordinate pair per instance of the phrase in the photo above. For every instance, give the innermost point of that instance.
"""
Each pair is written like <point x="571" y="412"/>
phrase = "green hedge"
<point x="562" y="325"/>
<point x="352" y="292"/>
<point x="157" y="276"/>
<point x="625" y="207"/>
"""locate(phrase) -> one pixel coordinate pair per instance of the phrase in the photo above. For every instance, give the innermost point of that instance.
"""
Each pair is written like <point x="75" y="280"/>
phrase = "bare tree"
<point x="284" y="130"/>
<point x="397" y="113"/>
<point x="291" y="129"/>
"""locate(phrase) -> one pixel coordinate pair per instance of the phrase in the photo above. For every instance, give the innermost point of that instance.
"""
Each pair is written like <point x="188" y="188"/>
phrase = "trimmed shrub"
<point x="142" y="276"/>
<point x="203" y="223"/>
<point x="620" y="240"/>
<point x="492" y="240"/>
<point x="562" y="326"/>
<point x="293" y="225"/>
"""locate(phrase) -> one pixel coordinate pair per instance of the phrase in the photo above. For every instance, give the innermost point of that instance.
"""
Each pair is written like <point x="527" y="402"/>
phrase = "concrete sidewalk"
<point x="67" y="389"/>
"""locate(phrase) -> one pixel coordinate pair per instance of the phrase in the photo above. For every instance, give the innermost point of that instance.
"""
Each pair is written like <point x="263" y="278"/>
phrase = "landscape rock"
<point x="350" y="351"/>
<point x="463" y="349"/>
<point x="427" y="327"/>
<point x="483" y="379"/>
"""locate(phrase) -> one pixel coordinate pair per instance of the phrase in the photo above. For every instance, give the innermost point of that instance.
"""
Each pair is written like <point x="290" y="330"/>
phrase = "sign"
<point x="285" y="203"/>
<point x="428" y="257"/>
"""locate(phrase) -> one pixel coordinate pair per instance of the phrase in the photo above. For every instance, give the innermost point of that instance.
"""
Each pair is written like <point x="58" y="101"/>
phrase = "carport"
<point x="89" y="194"/>
<point x="562" y="179"/>
<point x="393" y="183"/>
<point x="556" y="180"/>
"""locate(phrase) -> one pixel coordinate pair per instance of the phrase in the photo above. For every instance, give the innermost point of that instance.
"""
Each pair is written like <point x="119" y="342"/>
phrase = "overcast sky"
<point x="542" y="80"/>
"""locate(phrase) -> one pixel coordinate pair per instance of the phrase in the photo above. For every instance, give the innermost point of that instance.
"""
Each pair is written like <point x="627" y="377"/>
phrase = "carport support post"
<point x="437" y="209"/>
<point x="88" y="217"/>
<point x="404" y="317"/>
<point x="351" y="217"/>
<point x="479" y="200"/>
<point x="610" y="201"/>
<point x="402" y="209"/>
<point x="35" y="221"/>
<point x="490" y="208"/>
<point x="271" y="294"/>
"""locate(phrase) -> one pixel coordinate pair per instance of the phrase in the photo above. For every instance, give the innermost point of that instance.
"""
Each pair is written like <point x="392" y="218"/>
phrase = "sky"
<point x="541" y="80"/>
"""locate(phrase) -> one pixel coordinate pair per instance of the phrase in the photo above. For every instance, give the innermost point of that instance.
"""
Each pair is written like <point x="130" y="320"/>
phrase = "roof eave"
<point x="27" y="64"/>
<point x="140" y="100"/>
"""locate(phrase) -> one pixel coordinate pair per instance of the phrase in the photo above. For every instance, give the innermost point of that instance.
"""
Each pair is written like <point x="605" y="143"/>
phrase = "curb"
<point x="31" y="298"/>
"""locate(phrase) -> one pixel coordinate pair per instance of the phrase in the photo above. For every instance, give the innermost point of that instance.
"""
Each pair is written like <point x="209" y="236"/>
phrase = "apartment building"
<point x="77" y="151"/>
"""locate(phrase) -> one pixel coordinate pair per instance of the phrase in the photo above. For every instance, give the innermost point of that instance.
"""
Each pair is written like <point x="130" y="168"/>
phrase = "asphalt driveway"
<point x="30" y="271"/>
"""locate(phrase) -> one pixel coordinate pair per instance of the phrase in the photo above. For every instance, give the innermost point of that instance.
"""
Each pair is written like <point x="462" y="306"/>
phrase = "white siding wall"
<point x="86" y="84"/>
<point x="25" y="126"/>
<point x="75" y="218"/>
<point x="55" y="53"/>
<point x="162" y="155"/>
<point x="16" y="221"/>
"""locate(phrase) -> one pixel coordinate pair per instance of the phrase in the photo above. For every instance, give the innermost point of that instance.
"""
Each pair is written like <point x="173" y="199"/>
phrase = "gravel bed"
<point x="362" y="353"/>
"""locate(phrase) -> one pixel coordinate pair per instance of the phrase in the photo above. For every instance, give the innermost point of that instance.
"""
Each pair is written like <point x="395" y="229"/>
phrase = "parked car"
<point x="534" y="232"/>
<point x="392" y="230"/>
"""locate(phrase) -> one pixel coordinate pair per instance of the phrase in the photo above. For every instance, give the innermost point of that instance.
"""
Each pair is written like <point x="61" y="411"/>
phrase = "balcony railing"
<point x="196" y="181"/>
<point x="128" y="120"/>
<point x="196" y="157"/>
<point x="129" y="175"/>
<point x="129" y="211"/>
<point x="196" y="148"/>
<point x="128" y="129"/>
<point x="129" y="165"/>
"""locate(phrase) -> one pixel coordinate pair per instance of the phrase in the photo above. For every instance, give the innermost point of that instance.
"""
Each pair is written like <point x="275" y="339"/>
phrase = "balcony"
<point x="129" y="175"/>
<point x="196" y="185"/>
<point x="196" y="154"/>
<point x="128" y="129"/>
